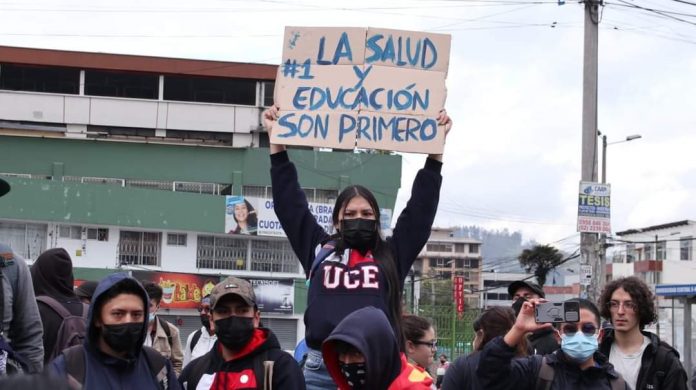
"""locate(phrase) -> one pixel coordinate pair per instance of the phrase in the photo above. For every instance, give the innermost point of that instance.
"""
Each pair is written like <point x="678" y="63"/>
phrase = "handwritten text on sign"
<point x="370" y="88"/>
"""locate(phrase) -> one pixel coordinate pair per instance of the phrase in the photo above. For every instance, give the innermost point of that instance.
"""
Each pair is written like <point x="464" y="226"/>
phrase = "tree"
<point x="540" y="259"/>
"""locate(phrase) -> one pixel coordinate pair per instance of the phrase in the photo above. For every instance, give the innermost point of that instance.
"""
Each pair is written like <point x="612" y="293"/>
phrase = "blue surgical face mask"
<point x="579" y="346"/>
<point x="150" y="317"/>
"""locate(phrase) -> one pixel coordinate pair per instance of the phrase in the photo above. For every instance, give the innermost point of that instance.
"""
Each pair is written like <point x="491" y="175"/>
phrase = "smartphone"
<point x="557" y="312"/>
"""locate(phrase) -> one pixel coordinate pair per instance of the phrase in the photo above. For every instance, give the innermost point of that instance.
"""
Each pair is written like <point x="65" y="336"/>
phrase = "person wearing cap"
<point x="245" y="356"/>
<point x="202" y="340"/>
<point x="20" y="322"/>
<point x="542" y="341"/>
<point x="85" y="291"/>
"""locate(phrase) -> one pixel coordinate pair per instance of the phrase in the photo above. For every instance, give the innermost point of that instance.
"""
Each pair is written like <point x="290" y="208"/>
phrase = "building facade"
<point x="136" y="164"/>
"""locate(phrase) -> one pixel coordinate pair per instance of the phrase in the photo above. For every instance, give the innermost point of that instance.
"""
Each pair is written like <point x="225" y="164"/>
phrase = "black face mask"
<point x="234" y="332"/>
<point x="359" y="233"/>
<point x="205" y="320"/>
<point x="517" y="305"/>
<point x="355" y="374"/>
<point x="123" y="337"/>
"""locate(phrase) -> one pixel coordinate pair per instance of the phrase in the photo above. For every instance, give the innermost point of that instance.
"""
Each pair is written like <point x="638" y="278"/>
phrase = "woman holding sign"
<point x="355" y="267"/>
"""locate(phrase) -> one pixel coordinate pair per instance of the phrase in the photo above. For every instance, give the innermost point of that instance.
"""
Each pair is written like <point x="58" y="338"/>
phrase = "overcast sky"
<point x="514" y="90"/>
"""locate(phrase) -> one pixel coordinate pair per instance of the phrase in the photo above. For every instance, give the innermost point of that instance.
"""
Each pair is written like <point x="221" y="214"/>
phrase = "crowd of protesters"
<point x="107" y="334"/>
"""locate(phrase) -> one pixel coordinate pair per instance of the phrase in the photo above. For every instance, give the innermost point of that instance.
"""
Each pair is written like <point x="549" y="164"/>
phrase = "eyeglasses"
<point x="204" y="309"/>
<point x="628" y="305"/>
<point x="587" y="328"/>
<point x="431" y="344"/>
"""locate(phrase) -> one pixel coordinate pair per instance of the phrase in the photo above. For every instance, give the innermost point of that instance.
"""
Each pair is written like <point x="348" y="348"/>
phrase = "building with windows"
<point x="661" y="255"/>
<point x="139" y="164"/>
<point x="445" y="257"/>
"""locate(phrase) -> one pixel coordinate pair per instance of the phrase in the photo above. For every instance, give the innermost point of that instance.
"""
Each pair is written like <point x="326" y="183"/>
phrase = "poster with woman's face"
<point x="240" y="215"/>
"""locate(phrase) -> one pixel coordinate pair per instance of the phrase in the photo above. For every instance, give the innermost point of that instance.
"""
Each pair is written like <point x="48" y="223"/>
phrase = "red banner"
<point x="180" y="291"/>
<point x="458" y="290"/>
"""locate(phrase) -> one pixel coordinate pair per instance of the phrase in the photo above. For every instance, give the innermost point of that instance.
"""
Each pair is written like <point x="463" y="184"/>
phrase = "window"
<point x="647" y="252"/>
<point x="631" y="254"/>
<point x="273" y="256"/>
<point x="686" y="248"/>
<point x="268" y="87"/>
<point x="72" y="232"/>
<point x="460" y="248"/>
<point x="121" y="84"/>
<point x="661" y="250"/>
<point x="326" y="196"/>
<point x="210" y="90"/>
<point x="474" y="248"/>
<point x="39" y="79"/>
<point x="440" y="262"/>
<point x="99" y="234"/>
<point x="257" y="191"/>
<point x="439" y="247"/>
<point x="26" y="239"/>
<point x="139" y="248"/>
<point x="176" y="239"/>
<point x="222" y="252"/>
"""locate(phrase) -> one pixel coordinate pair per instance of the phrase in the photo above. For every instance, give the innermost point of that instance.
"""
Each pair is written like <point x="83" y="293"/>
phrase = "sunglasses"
<point x="431" y="344"/>
<point x="589" y="329"/>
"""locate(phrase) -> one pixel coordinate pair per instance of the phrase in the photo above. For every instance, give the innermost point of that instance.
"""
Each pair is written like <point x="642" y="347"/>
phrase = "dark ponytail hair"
<point x="381" y="251"/>
<point x="497" y="321"/>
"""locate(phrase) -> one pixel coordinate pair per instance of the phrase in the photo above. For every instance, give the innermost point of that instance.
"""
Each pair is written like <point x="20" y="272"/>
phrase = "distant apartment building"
<point x="445" y="257"/>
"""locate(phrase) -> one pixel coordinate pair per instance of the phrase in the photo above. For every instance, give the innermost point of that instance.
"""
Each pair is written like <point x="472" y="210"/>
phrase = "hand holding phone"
<point x="557" y="312"/>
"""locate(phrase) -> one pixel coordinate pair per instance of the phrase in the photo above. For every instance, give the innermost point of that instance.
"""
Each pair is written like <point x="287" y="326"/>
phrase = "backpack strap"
<point x="158" y="367"/>
<point x="545" y="377"/>
<point x="268" y="374"/>
<point x="324" y="252"/>
<point x="196" y="336"/>
<point x="260" y="370"/>
<point x="618" y="383"/>
<point x="657" y="372"/>
<point x="166" y="329"/>
<point x="75" y="366"/>
<point x="54" y="305"/>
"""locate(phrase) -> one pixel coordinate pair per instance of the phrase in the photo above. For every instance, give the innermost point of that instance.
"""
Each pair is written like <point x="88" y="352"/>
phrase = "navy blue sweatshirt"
<point x="335" y="289"/>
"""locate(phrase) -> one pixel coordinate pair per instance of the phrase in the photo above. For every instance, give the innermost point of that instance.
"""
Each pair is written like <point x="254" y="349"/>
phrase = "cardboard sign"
<point x="371" y="88"/>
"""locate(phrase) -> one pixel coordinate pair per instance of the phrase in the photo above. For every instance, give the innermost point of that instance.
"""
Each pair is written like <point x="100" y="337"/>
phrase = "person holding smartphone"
<point x="576" y="365"/>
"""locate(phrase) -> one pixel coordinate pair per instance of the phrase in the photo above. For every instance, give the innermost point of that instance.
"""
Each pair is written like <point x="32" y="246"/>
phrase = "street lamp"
<point x="604" y="152"/>
<point x="603" y="237"/>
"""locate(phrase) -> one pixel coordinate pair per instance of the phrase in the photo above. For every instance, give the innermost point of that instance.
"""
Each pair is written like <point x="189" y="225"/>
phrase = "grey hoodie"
<point x="21" y="322"/>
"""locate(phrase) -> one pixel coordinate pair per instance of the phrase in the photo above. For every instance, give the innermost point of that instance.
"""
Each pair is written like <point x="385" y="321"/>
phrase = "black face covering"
<point x="517" y="305"/>
<point x="123" y="337"/>
<point x="234" y="332"/>
<point x="359" y="233"/>
<point x="205" y="320"/>
<point x="355" y="374"/>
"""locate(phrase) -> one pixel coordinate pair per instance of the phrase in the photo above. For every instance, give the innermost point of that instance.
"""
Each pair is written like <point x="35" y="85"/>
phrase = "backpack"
<point x="263" y="369"/>
<point x="326" y="249"/>
<point x="546" y="373"/>
<point x="168" y="332"/>
<point x="72" y="330"/>
<point x="75" y="366"/>
<point x="11" y="363"/>
<point x="656" y="373"/>
<point x="196" y="336"/>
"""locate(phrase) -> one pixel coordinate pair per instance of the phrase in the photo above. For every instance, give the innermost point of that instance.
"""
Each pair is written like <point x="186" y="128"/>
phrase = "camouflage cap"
<point x="233" y="286"/>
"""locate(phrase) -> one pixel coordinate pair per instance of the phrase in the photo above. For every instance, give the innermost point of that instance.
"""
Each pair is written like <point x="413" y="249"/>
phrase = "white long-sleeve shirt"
<point x="204" y="344"/>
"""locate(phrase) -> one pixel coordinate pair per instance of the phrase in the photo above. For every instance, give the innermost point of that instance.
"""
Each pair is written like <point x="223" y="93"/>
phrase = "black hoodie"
<point x="52" y="275"/>
<point x="104" y="371"/>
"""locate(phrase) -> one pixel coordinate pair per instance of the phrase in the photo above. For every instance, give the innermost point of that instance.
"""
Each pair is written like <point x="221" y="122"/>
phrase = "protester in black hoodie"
<point x="355" y="267"/>
<point x="52" y="275"/>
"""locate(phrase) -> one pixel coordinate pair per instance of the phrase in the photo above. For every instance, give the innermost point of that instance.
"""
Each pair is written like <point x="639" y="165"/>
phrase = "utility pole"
<point x="589" y="248"/>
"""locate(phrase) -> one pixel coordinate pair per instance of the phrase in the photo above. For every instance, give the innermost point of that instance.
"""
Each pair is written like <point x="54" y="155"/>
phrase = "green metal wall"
<point x="102" y="204"/>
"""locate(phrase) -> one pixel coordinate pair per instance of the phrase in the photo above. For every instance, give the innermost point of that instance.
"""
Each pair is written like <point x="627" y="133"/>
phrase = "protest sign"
<point x="370" y="88"/>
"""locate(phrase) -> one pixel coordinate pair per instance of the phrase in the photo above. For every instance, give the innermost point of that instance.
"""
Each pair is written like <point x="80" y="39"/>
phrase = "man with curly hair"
<point x="639" y="356"/>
